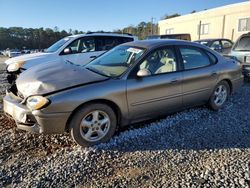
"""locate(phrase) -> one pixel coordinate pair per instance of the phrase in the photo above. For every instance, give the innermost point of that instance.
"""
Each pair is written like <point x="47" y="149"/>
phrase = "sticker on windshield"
<point x="134" y="50"/>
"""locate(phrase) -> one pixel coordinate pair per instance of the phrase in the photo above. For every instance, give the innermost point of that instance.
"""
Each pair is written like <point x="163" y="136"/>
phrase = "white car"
<point x="13" y="53"/>
<point x="79" y="49"/>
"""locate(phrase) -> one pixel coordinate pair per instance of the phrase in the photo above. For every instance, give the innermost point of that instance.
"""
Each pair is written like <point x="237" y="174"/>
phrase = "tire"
<point x="93" y="124"/>
<point x="218" y="99"/>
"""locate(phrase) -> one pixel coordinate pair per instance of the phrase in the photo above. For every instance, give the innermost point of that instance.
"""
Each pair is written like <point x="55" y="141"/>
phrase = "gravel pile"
<point x="193" y="148"/>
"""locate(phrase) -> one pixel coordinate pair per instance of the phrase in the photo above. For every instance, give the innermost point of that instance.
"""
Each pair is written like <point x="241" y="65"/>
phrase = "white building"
<point x="228" y="21"/>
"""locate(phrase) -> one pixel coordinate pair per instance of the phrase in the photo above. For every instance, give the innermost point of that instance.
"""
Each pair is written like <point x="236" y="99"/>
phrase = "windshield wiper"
<point x="96" y="71"/>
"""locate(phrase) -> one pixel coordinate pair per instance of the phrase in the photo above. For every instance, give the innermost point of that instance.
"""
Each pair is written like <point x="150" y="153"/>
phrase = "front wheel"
<point x="93" y="124"/>
<point x="219" y="95"/>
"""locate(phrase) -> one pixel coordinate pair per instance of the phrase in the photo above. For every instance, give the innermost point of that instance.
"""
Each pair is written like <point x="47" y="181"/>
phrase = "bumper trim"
<point x="36" y="121"/>
<point x="34" y="128"/>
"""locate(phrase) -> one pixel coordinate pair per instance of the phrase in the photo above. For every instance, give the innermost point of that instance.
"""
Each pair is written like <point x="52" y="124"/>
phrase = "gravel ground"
<point x="193" y="148"/>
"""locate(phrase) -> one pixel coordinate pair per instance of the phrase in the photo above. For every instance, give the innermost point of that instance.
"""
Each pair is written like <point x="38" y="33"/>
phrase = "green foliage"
<point x="40" y="38"/>
<point x="142" y="30"/>
<point x="29" y="38"/>
<point x="170" y="16"/>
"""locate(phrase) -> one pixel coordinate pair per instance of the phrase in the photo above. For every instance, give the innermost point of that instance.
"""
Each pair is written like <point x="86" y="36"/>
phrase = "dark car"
<point x="241" y="50"/>
<point x="222" y="46"/>
<point x="132" y="82"/>
<point x="183" y="36"/>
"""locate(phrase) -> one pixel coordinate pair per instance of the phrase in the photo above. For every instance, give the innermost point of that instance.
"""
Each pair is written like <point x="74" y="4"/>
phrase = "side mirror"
<point x="67" y="51"/>
<point x="143" y="72"/>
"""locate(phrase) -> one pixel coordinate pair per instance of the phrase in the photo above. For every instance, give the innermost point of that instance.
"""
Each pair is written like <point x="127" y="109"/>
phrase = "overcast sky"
<point x="93" y="15"/>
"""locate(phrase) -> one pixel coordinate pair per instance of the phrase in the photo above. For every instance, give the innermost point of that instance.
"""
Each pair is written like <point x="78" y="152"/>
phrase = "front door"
<point x="81" y="51"/>
<point x="159" y="92"/>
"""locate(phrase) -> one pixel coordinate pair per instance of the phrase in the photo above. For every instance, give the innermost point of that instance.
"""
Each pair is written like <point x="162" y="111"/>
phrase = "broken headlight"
<point x="37" y="102"/>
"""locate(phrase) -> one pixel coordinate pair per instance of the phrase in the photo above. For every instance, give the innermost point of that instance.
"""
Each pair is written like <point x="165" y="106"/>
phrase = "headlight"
<point x="37" y="102"/>
<point x="15" y="66"/>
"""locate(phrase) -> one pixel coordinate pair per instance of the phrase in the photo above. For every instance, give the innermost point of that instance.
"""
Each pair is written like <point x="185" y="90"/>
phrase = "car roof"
<point x="148" y="44"/>
<point x="102" y="34"/>
<point x="244" y="35"/>
<point x="211" y="39"/>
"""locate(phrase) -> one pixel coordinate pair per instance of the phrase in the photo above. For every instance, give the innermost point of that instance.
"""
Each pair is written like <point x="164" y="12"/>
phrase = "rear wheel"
<point x="219" y="96"/>
<point x="93" y="124"/>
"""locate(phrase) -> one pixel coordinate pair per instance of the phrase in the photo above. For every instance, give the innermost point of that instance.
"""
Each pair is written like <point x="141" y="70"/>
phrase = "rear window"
<point x="243" y="44"/>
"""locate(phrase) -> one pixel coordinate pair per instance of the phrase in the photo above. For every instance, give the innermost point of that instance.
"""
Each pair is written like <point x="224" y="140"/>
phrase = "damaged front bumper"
<point x="33" y="121"/>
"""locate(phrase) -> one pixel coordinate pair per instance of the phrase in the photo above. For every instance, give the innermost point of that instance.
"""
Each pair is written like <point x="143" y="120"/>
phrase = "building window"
<point x="244" y="24"/>
<point x="203" y="29"/>
<point x="170" y="31"/>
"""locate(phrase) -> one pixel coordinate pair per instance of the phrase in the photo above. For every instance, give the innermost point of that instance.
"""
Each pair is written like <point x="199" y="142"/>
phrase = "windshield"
<point x="57" y="45"/>
<point x="243" y="44"/>
<point x="116" y="61"/>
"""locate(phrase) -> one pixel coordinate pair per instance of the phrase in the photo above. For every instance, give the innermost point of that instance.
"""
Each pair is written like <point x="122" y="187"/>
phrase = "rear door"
<point x="199" y="74"/>
<point x="158" y="93"/>
<point x="105" y="43"/>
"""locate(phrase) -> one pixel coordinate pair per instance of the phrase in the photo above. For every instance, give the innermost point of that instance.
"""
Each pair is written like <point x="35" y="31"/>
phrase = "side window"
<point x="106" y="43"/>
<point x="74" y="46"/>
<point x="194" y="58"/>
<point x="215" y="44"/>
<point x="212" y="57"/>
<point x="226" y="44"/>
<point x="87" y="45"/>
<point x="160" y="61"/>
<point x="82" y="45"/>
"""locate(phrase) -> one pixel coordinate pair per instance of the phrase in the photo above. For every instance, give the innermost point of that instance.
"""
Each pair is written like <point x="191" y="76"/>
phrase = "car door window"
<point x="226" y="44"/>
<point x="82" y="45"/>
<point x="160" y="61"/>
<point x="106" y="43"/>
<point x="215" y="44"/>
<point x="194" y="58"/>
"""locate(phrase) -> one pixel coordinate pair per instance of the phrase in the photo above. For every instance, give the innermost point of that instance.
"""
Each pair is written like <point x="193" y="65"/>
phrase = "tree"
<point x="170" y="16"/>
<point x="39" y="38"/>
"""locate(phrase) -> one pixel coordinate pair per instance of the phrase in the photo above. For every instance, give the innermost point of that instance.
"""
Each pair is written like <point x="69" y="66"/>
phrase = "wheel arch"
<point x="228" y="81"/>
<point x="110" y="103"/>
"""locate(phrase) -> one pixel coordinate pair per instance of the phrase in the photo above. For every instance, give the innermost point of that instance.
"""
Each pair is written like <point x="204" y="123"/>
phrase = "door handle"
<point x="174" y="80"/>
<point x="214" y="73"/>
<point x="93" y="56"/>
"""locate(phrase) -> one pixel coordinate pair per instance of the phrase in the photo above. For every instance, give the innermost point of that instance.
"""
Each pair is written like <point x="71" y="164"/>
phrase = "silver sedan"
<point x="132" y="82"/>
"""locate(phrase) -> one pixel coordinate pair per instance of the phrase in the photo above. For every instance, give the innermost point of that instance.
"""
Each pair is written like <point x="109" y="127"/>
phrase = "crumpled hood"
<point x="26" y="57"/>
<point x="50" y="77"/>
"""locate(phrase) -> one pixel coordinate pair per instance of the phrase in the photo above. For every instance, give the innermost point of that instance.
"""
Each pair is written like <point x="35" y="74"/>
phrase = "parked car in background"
<point x="13" y="53"/>
<point x="222" y="46"/>
<point x="25" y="51"/>
<point x="184" y="36"/>
<point x="241" y="50"/>
<point x="79" y="49"/>
<point x="132" y="82"/>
